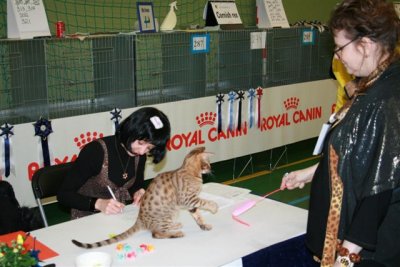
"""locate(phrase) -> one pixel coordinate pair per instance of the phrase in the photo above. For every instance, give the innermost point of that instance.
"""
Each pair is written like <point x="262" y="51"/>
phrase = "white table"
<point x="270" y="222"/>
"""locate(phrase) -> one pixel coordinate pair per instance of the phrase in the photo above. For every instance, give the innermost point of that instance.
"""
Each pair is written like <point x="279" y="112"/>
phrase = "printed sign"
<point x="146" y="17"/>
<point x="26" y="19"/>
<point x="258" y="40"/>
<point x="223" y="13"/>
<point x="270" y="14"/>
<point x="308" y="37"/>
<point x="200" y="43"/>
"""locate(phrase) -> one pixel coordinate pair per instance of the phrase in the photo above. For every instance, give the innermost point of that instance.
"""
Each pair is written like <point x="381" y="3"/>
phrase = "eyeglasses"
<point x="337" y="50"/>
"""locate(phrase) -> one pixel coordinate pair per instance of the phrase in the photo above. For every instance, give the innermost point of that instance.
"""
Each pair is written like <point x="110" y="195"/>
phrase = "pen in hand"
<point x="112" y="194"/>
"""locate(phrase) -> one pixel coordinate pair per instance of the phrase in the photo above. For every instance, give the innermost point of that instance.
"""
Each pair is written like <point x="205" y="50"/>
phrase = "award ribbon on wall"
<point x="220" y="99"/>
<point x="251" y="97"/>
<point x="231" y="99"/>
<point x="6" y="131"/>
<point x="240" y="97"/>
<point x="116" y="115"/>
<point x="43" y="130"/>
<point x="259" y="95"/>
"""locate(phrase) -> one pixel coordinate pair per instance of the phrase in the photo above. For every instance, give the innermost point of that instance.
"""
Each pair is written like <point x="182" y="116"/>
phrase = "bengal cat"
<point x="166" y="194"/>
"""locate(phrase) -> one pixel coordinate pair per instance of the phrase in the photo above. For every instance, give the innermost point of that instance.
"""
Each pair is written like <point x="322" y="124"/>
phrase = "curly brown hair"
<point x="375" y="19"/>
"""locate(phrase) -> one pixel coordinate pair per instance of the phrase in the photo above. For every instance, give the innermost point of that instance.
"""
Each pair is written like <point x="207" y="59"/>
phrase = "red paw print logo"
<point x="85" y="138"/>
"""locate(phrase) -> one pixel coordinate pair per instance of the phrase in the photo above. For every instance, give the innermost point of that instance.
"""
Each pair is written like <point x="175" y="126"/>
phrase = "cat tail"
<point x="135" y="228"/>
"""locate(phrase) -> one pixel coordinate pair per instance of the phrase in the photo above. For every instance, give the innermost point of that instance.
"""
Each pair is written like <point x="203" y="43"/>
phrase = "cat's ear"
<point x="206" y="155"/>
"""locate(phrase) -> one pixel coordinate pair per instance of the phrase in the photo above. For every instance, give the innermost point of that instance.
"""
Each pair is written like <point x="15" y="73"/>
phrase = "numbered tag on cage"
<point x="200" y="43"/>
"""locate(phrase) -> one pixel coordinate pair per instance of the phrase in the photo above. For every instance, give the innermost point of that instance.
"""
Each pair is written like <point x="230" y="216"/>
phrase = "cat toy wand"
<point x="248" y="204"/>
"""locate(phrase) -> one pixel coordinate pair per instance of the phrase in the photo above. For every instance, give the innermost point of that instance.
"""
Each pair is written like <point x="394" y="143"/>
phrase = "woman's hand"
<point x="351" y="248"/>
<point x="109" y="206"/>
<point x="297" y="179"/>
<point x="137" y="196"/>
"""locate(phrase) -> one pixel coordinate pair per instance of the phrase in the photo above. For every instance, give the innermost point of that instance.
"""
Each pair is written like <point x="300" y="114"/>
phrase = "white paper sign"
<point x="258" y="40"/>
<point x="26" y="19"/>
<point x="226" y="13"/>
<point x="271" y="13"/>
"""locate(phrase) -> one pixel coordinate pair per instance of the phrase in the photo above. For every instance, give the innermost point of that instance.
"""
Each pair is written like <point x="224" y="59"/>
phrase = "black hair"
<point x="18" y="218"/>
<point x="140" y="125"/>
<point x="7" y="192"/>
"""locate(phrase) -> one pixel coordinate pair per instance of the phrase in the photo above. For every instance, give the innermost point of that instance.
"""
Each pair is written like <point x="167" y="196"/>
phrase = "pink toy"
<point x="248" y="204"/>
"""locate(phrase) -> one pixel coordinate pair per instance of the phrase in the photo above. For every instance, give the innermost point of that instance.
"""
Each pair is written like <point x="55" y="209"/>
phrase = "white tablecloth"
<point x="270" y="222"/>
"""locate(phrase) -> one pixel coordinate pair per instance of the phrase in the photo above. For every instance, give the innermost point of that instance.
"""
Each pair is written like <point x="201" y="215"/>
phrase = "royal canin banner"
<point x="236" y="124"/>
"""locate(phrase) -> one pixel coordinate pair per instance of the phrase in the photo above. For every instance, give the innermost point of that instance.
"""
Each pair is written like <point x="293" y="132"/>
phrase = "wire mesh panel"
<point x="5" y="77"/>
<point x="114" y="72"/>
<point x="183" y="71"/>
<point x="284" y="57"/>
<point x="70" y="77"/>
<point x="167" y="70"/>
<point x="93" y="75"/>
<point x="236" y="65"/>
<point x="23" y="93"/>
<point x="56" y="78"/>
<point x="61" y="77"/>
<point x="149" y="83"/>
<point x="321" y="60"/>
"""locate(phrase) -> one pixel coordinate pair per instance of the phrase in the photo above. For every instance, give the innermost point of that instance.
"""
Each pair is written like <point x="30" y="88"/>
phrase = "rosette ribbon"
<point x="6" y="131"/>
<point x="220" y="99"/>
<point x="240" y="97"/>
<point x="251" y="96"/>
<point x="34" y="252"/>
<point x="116" y="116"/>
<point x="231" y="99"/>
<point x="43" y="130"/>
<point x="259" y="95"/>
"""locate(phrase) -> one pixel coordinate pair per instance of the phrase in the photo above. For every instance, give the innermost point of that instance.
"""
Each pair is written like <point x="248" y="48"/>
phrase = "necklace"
<point x="124" y="170"/>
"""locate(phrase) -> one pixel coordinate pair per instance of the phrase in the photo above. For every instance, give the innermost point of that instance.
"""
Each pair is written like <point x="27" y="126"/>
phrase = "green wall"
<point x="308" y="9"/>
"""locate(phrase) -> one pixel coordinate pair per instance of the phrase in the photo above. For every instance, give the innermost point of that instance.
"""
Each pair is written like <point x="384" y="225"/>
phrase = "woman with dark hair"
<point x="115" y="162"/>
<point x="354" y="210"/>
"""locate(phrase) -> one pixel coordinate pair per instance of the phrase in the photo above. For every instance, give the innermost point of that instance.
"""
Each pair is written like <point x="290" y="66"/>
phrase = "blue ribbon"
<point x="240" y="97"/>
<point x="6" y="130"/>
<point x="116" y="115"/>
<point x="220" y="99"/>
<point x="251" y="97"/>
<point x="231" y="99"/>
<point x="43" y="129"/>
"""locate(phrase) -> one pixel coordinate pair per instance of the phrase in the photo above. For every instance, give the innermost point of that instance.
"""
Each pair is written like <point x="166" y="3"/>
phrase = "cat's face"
<point x="198" y="160"/>
<point x="205" y="162"/>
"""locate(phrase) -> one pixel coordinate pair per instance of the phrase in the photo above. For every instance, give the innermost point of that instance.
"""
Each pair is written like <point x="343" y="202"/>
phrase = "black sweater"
<point x="89" y="164"/>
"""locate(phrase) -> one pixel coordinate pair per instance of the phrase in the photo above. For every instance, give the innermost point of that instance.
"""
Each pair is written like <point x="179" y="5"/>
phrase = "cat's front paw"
<point x="213" y="207"/>
<point x="205" y="227"/>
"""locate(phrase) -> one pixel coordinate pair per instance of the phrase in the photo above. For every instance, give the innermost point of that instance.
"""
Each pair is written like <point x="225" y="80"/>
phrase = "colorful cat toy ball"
<point x="127" y="252"/>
